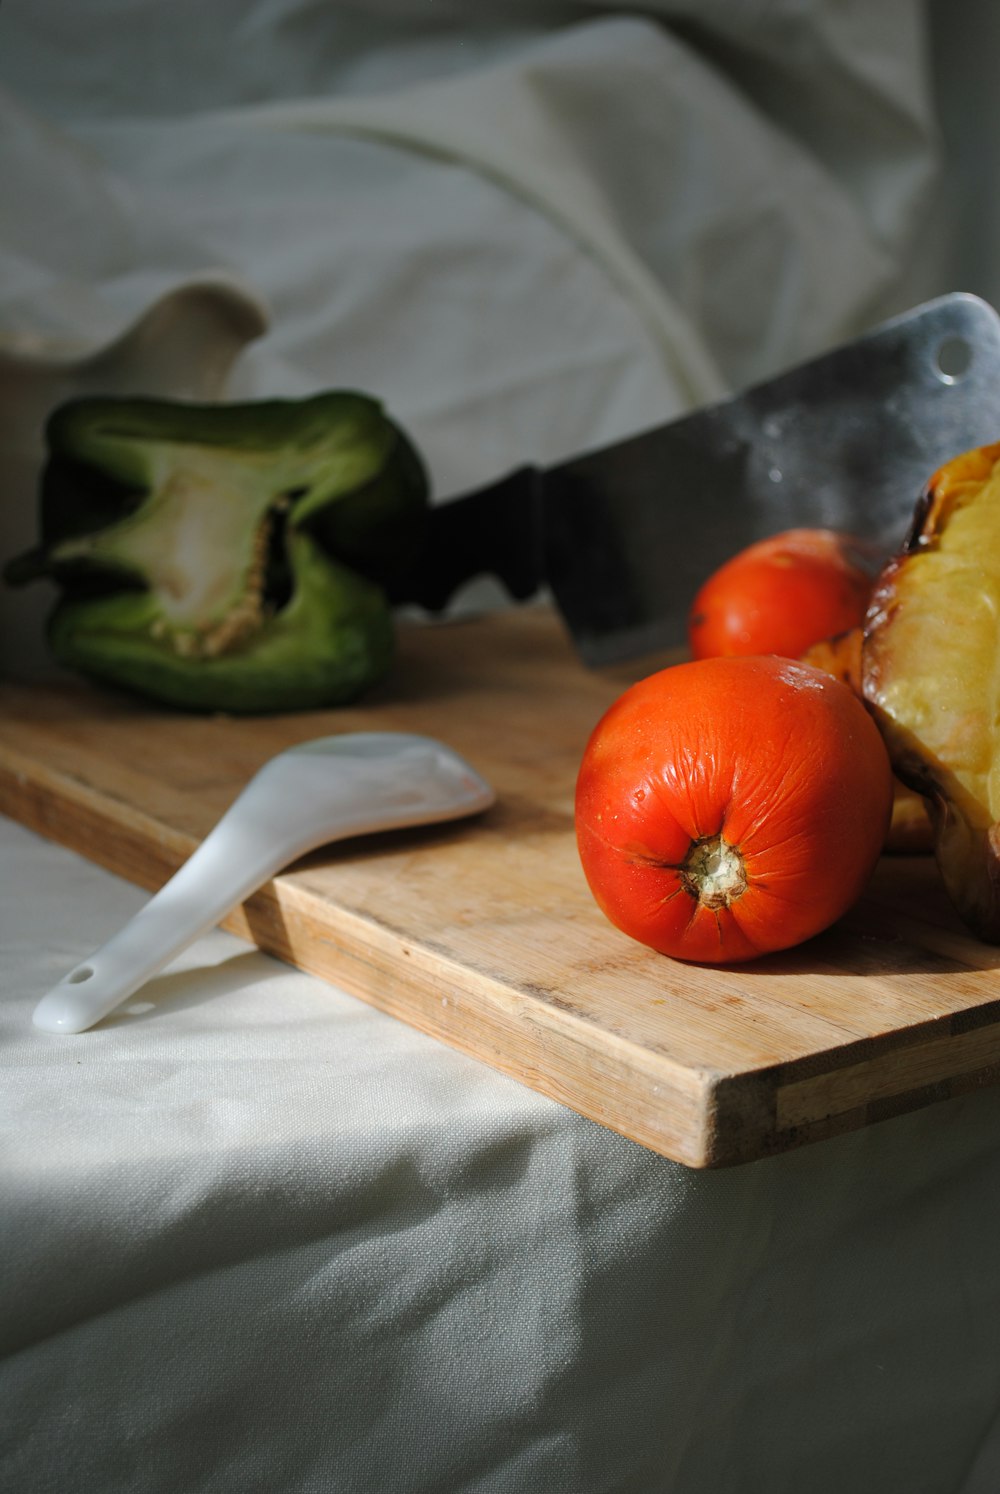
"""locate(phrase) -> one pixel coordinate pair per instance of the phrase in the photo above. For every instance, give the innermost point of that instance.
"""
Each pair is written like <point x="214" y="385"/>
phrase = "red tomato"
<point x="729" y="807"/>
<point x="780" y="595"/>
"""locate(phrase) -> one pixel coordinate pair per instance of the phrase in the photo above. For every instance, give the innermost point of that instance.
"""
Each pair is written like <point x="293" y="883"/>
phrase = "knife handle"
<point x="493" y="531"/>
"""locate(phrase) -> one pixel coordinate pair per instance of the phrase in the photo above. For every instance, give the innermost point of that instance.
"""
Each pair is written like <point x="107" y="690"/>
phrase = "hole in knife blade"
<point x="952" y="360"/>
<point x="79" y="976"/>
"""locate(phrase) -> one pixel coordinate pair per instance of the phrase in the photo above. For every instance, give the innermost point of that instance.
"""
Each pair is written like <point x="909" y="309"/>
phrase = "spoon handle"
<point x="230" y="864"/>
<point x="308" y="796"/>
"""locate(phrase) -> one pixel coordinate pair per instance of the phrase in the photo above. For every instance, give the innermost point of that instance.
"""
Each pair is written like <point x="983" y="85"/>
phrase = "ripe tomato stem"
<point x="713" y="872"/>
<point x="772" y="790"/>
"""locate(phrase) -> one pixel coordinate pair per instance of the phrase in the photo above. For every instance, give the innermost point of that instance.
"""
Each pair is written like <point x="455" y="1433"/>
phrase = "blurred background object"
<point x="531" y="228"/>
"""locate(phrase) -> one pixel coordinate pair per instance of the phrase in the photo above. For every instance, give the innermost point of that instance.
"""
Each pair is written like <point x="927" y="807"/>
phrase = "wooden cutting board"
<point x="484" y="932"/>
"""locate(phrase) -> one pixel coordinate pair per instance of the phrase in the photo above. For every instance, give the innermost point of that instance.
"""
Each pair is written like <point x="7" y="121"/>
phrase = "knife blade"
<point x="624" y="535"/>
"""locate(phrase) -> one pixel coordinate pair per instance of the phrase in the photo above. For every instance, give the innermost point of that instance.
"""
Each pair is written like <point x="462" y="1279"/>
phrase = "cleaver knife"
<point x="623" y="536"/>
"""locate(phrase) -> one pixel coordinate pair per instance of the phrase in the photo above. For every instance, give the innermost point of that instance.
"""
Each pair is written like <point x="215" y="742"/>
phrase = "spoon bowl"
<point x="318" y="792"/>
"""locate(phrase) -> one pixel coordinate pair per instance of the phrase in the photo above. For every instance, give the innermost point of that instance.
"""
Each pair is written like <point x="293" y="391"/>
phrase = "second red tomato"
<point x="780" y="595"/>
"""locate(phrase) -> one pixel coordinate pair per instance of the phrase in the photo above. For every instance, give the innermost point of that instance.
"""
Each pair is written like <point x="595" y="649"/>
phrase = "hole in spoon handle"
<point x="226" y="868"/>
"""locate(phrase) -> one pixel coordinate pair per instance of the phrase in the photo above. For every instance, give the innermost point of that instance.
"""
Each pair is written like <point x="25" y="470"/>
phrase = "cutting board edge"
<point x="75" y="816"/>
<point x="669" y="1103"/>
<point x="697" y="1117"/>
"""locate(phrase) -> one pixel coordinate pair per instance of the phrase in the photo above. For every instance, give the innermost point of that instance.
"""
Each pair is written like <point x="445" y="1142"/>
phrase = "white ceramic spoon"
<point x="315" y="793"/>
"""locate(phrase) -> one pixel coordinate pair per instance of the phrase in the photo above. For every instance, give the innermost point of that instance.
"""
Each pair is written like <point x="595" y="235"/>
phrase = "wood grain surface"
<point x="484" y="933"/>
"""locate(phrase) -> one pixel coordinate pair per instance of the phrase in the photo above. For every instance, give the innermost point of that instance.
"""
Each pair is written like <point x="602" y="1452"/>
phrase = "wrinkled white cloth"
<point x="530" y="231"/>
<point x="256" y="1235"/>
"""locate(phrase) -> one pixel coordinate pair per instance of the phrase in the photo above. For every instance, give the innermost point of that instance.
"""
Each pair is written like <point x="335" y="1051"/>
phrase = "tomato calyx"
<point x="713" y="872"/>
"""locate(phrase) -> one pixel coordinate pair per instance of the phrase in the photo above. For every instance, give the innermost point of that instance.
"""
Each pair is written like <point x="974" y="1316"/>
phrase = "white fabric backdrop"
<point x="256" y="1235"/>
<point x="530" y="230"/>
